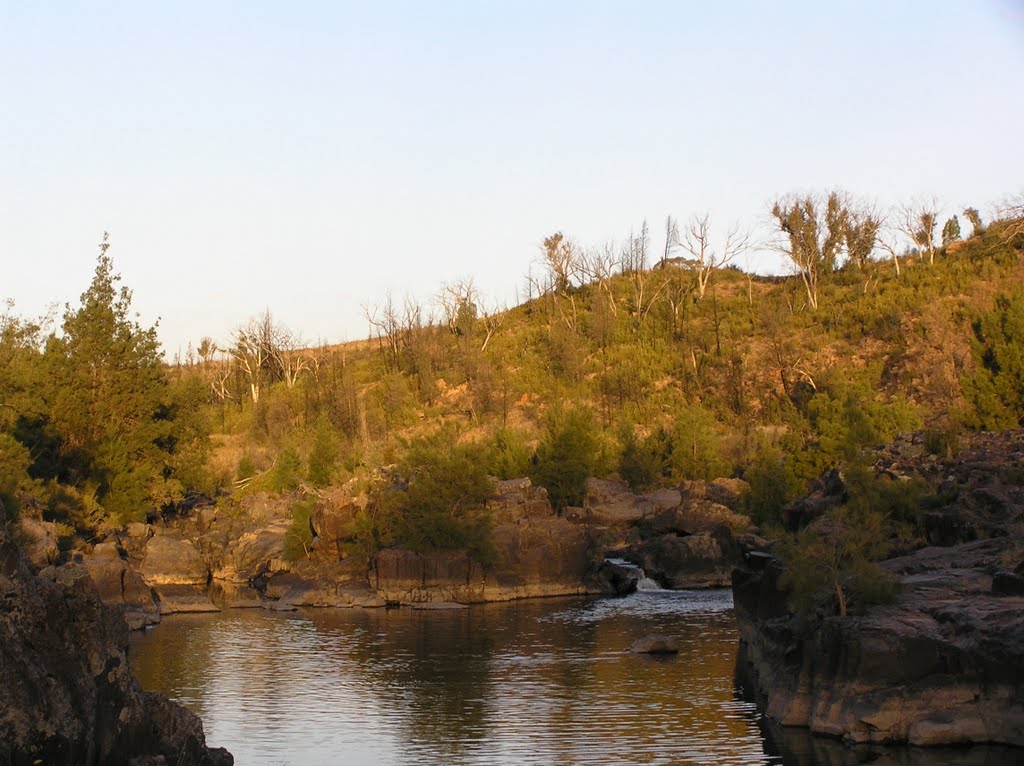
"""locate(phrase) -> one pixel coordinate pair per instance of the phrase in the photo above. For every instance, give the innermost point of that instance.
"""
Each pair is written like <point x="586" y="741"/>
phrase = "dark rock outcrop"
<point x="702" y="560"/>
<point x="67" y="694"/>
<point x="942" y="665"/>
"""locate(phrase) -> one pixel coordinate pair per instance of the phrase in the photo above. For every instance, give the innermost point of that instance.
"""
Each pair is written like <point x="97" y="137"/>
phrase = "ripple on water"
<point x="533" y="682"/>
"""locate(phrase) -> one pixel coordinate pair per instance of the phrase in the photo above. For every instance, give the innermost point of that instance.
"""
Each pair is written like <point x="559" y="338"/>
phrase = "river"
<point x="545" y="681"/>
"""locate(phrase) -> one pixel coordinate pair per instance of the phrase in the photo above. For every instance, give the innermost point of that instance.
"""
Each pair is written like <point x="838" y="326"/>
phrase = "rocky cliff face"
<point x="944" y="664"/>
<point x="220" y="556"/>
<point x="538" y="554"/>
<point x="68" y="695"/>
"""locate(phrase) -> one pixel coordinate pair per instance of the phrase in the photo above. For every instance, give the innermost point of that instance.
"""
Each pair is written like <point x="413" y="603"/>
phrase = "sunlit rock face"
<point x="537" y="554"/>
<point x="68" y="694"/>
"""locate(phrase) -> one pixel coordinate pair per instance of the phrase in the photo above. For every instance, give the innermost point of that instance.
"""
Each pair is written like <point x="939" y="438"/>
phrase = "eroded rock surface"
<point x="944" y="664"/>
<point x="67" y="694"/>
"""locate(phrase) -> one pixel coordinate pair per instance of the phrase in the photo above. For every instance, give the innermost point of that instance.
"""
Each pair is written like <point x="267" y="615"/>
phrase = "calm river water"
<point x="531" y="682"/>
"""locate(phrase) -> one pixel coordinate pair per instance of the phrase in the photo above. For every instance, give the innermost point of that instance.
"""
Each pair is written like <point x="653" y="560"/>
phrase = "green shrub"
<point x="696" y="448"/>
<point x="299" y="535"/>
<point x="567" y="454"/>
<point x="323" y="455"/>
<point x="829" y="565"/>
<point x="996" y="387"/>
<point x="772" y="486"/>
<point x="14" y="464"/>
<point x="443" y="501"/>
<point x="287" y="471"/>
<point x="645" y="463"/>
<point x="510" y="454"/>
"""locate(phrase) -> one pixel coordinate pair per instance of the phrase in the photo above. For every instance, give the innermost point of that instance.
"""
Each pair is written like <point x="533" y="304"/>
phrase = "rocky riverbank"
<point x="69" y="695"/>
<point x="236" y="555"/>
<point x="944" y="663"/>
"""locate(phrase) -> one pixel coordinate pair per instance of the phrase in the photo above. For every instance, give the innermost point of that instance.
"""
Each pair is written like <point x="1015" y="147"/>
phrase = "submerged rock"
<point x="655" y="644"/>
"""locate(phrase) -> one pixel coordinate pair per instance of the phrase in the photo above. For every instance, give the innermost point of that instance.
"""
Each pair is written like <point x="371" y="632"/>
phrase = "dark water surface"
<point x="531" y="682"/>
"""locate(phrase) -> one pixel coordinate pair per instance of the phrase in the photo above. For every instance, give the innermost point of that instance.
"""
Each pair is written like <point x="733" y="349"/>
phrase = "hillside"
<point x="605" y="371"/>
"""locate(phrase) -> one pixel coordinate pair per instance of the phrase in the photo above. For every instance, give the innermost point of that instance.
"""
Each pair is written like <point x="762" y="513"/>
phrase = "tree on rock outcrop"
<point x="125" y="434"/>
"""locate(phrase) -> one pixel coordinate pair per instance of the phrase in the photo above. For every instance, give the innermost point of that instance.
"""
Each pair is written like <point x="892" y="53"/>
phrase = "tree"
<point x="861" y="234"/>
<point x="814" y="231"/>
<point x="829" y="564"/>
<point x="972" y="215"/>
<point x="951" y="231"/>
<point x="706" y="260"/>
<point x="996" y="387"/>
<point x="566" y="456"/>
<point x="563" y="261"/>
<point x="918" y="221"/>
<point x="111" y="403"/>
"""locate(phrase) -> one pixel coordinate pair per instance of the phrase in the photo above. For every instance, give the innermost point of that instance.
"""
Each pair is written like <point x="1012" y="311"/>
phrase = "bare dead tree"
<point x="598" y="266"/>
<point x="562" y="259"/>
<point x="1011" y="210"/>
<point x="491" y="320"/>
<point x="384" y="322"/>
<point x="458" y="302"/>
<point x="704" y="258"/>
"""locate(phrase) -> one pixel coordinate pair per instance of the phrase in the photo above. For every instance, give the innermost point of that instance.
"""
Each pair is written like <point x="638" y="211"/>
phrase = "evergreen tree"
<point x="996" y="388"/>
<point x="951" y="231"/>
<point x="122" y="428"/>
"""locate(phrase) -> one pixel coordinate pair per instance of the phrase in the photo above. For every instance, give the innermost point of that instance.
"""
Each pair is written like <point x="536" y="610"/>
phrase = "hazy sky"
<point x="310" y="156"/>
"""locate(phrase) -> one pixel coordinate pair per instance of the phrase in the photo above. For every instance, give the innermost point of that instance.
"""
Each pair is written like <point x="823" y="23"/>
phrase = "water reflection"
<point x="532" y="682"/>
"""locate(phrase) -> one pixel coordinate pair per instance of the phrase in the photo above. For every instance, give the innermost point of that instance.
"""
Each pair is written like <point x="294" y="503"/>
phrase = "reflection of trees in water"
<point x="532" y="681"/>
<point x="444" y="672"/>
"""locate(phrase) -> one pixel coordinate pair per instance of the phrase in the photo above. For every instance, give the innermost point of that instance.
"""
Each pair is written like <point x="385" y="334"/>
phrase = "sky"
<point x="312" y="157"/>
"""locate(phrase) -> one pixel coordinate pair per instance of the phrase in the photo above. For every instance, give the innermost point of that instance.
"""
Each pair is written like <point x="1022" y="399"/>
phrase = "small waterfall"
<point x="646" y="583"/>
<point x="643" y="582"/>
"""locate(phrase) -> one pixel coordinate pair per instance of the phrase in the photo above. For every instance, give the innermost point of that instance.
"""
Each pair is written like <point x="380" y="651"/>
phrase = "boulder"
<point x="184" y="599"/>
<point x="319" y="585"/>
<point x="120" y="586"/>
<point x="68" y="692"/>
<point x="169" y="560"/>
<point x="517" y="499"/>
<point x="702" y="560"/>
<point x="612" y="502"/>
<point x="655" y="644"/>
<point x="231" y="595"/>
<point x="39" y="541"/>
<point x="254" y="552"/>
<point x="621" y="580"/>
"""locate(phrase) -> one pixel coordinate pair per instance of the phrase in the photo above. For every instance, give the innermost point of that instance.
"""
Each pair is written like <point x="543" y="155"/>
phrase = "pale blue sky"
<point x="308" y="156"/>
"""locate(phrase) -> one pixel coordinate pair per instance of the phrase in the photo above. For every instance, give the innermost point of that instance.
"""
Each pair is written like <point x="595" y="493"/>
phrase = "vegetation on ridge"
<point x="687" y="368"/>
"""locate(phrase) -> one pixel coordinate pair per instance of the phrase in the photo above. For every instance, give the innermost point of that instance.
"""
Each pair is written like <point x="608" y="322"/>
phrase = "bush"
<point x="14" y="464"/>
<point x="510" y="454"/>
<point x="566" y="456"/>
<point x="287" y="470"/>
<point x="323" y="456"/>
<point x="299" y="535"/>
<point x="645" y="463"/>
<point x="829" y="566"/>
<point x="996" y="387"/>
<point x="695" y="450"/>
<point x="443" y="501"/>
<point x="772" y="485"/>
